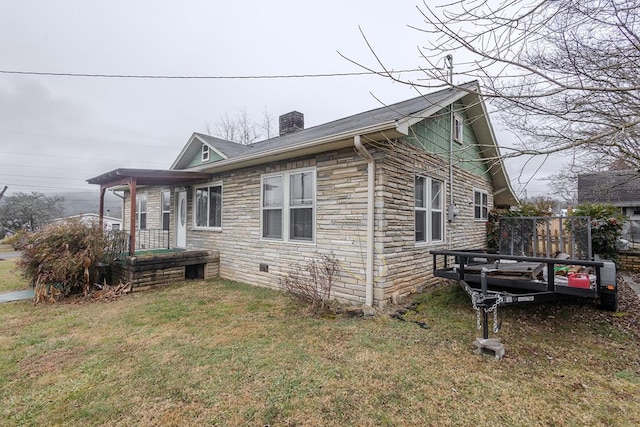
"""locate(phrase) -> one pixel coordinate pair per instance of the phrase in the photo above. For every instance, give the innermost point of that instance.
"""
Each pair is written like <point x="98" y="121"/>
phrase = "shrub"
<point x="606" y="228"/>
<point x="312" y="284"/>
<point x="54" y="254"/>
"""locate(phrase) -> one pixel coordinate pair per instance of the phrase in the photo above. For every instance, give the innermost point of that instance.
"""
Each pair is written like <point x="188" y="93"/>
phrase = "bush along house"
<point x="378" y="190"/>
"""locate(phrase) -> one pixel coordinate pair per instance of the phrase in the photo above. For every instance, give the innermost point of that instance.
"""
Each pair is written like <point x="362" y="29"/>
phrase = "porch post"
<point x="132" y="219"/>
<point x="101" y="212"/>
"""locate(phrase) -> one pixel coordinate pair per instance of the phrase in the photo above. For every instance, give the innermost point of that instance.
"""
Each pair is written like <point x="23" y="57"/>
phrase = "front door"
<point x="181" y="219"/>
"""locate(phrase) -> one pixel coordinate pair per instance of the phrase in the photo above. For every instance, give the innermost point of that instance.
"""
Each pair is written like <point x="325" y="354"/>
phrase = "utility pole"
<point x="2" y="192"/>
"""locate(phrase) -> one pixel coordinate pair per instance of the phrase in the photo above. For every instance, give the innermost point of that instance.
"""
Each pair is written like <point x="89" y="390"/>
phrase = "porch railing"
<point x="120" y="241"/>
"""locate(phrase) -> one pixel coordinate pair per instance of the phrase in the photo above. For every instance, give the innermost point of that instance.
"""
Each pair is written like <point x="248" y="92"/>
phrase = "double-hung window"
<point x="458" y="129"/>
<point x="429" y="218"/>
<point x="480" y="205"/>
<point x="288" y="206"/>
<point x="272" y="206"/>
<point x="165" y="204"/>
<point x="207" y="206"/>
<point x="141" y="211"/>
<point x="205" y="153"/>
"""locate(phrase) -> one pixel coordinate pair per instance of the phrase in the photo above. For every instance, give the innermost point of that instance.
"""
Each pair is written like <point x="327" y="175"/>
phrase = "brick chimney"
<point x="291" y="122"/>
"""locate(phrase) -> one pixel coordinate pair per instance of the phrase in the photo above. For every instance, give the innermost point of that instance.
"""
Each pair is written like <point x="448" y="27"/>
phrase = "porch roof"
<point x="147" y="177"/>
<point x="134" y="177"/>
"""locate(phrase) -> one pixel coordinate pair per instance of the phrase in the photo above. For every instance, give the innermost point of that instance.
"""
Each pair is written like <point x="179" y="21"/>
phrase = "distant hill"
<point x="89" y="202"/>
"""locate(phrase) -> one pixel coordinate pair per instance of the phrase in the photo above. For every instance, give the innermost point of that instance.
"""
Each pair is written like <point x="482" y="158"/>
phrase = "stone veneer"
<point x="401" y="266"/>
<point x="152" y="270"/>
<point x="629" y="260"/>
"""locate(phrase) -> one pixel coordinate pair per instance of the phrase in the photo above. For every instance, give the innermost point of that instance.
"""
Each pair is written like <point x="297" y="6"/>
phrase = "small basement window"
<point x="194" y="272"/>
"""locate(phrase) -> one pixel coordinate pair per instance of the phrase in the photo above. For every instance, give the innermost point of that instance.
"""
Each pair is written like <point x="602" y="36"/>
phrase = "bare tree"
<point x="566" y="73"/>
<point x="29" y="210"/>
<point x="564" y="185"/>
<point x="242" y="129"/>
<point x="267" y="127"/>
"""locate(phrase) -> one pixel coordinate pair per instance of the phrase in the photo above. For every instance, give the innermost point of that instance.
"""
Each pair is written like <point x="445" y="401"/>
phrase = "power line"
<point x="40" y="176"/>
<point x="157" y="162"/>
<point x="178" y="77"/>
<point x="91" y="140"/>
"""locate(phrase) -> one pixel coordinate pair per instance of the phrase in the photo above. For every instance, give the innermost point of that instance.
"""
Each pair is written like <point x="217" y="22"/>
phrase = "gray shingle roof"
<point x="228" y="148"/>
<point x="384" y="114"/>
<point x="620" y="187"/>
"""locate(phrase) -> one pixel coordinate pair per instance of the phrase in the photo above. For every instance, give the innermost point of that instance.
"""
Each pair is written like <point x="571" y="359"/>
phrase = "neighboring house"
<point x="620" y="188"/>
<point x="378" y="190"/>
<point x="109" y="223"/>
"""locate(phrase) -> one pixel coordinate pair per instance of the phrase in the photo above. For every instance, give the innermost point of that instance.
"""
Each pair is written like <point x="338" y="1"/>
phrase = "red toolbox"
<point x="579" y="280"/>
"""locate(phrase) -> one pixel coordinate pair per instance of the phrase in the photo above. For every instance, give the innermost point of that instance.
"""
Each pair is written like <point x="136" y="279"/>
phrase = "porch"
<point x="129" y="179"/>
<point x="152" y="268"/>
<point x="147" y="257"/>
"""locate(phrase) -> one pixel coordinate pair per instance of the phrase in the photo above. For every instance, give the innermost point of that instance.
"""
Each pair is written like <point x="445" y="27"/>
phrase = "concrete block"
<point x="489" y="347"/>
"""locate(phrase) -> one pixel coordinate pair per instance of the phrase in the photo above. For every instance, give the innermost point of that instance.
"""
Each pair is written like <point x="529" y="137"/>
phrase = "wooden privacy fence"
<point x="546" y="236"/>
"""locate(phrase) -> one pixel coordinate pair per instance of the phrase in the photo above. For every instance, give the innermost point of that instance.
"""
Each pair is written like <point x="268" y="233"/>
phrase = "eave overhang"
<point x="147" y="177"/>
<point x="388" y="130"/>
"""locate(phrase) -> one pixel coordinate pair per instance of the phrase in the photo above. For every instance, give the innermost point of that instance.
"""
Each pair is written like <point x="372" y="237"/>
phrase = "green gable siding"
<point x="197" y="158"/>
<point x="433" y="135"/>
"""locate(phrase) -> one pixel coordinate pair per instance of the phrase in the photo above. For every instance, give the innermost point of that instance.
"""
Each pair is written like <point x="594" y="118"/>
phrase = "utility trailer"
<point x="493" y="280"/>
<point x="519" y="279"/>
<point x="542" y="263"/>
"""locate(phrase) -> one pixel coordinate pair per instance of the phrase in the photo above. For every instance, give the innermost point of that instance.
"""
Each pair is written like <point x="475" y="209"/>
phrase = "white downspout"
<point x="451" y="211"/>
<point x="366" y="155"/>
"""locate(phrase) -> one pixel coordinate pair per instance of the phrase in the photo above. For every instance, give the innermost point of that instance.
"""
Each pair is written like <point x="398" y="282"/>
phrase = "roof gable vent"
<point x="291" y="122"/>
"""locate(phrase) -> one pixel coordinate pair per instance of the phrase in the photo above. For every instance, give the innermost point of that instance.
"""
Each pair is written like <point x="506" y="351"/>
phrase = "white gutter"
<point x="261" y="155"/>
<point x="365" y="154"/>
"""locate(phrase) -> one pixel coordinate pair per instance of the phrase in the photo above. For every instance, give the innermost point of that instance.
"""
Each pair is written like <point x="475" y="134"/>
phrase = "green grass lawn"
<point x="5" y="248"/>
<point x="10" y="278"/>
<point x="221" y="353"/>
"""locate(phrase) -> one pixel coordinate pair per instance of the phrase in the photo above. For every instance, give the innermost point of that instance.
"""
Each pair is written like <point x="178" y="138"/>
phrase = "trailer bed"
<point x="514" y="275"/>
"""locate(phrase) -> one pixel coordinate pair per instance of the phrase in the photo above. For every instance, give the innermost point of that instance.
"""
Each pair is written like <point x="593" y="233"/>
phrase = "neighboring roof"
<point x="147" y="177"/>
<point x="619" y="187"/>
<point x="88" y="215"/>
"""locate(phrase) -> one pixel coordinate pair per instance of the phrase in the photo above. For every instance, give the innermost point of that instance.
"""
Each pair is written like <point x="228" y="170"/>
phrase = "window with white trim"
<point x="429" y="218"/>
<point x="205" y="152"/>
<point x="288" y="206"/>
<point x="480" y="205"/>
<point x="141" y="211"/>
<point x="458" y="129"/>
<point x="165" y="208"/>
<point x="207" y="206"/>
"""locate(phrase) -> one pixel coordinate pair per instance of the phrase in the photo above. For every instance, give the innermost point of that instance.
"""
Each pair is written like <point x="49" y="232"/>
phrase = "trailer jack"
<point x="485" y="303"/>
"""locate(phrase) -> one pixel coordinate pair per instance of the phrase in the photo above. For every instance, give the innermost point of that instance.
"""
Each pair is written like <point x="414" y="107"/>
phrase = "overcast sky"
<point x="56" y="132"/>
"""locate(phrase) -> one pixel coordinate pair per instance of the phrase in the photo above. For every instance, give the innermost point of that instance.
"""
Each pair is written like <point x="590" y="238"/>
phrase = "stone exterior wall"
<point x="405" y="266"/>
<point x="154" y="206"/>
<point x="400" y="265"/>
<point x="629" y="261"/>
<point x="340" y="226"/>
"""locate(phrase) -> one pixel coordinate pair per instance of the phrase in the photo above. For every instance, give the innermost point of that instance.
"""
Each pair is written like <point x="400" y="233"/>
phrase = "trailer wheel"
<point x="609" y="301"/>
